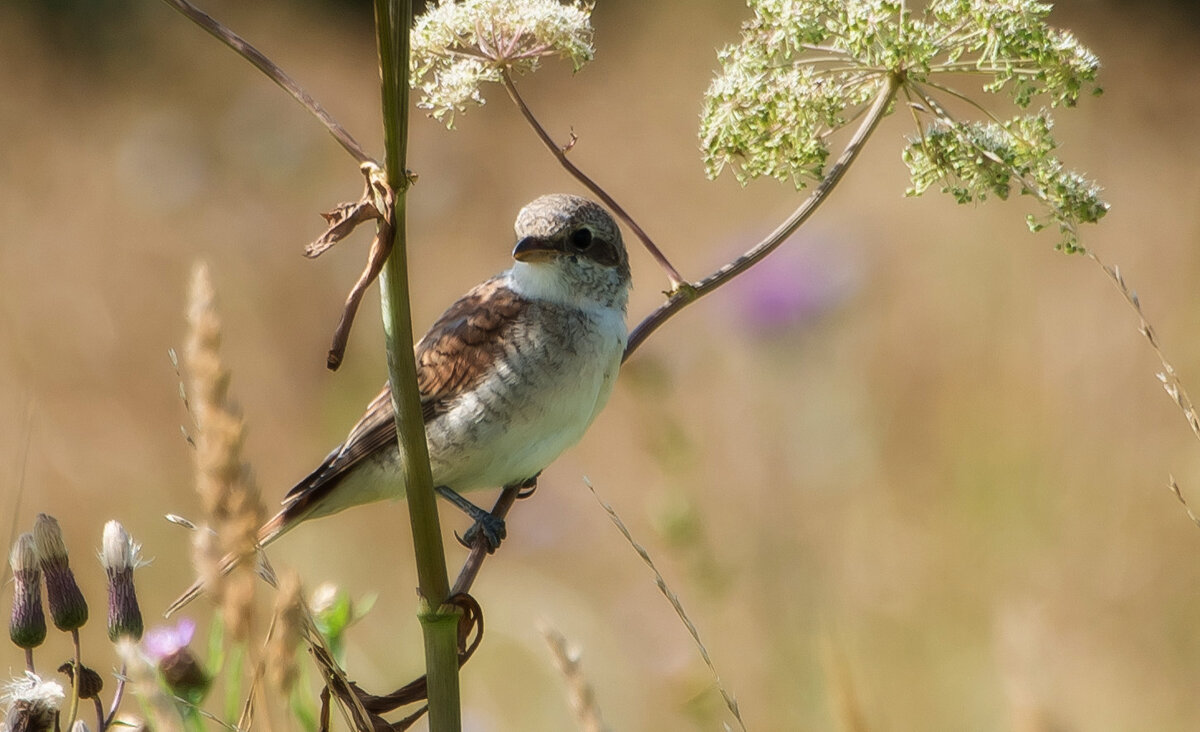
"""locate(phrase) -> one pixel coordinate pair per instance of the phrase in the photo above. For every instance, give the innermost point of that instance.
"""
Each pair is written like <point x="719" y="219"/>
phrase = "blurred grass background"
<point x="918" y="458"/>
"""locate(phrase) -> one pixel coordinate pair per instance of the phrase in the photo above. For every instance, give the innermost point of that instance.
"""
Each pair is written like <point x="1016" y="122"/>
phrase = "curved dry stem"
<point x="730" y="701"/>
<point x="687" y="293"/>
<point x="240" y="46"/>
<point x="560" y="154"/>
<point x="1168" y="377"/>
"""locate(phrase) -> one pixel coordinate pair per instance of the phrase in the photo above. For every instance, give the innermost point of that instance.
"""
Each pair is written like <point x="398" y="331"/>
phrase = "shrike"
<point x="512" y="374"/>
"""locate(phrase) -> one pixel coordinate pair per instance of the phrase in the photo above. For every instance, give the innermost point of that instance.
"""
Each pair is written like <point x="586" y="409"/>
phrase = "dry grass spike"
<point x="289" y="620"/>
<point x="730" y="702"/>
<point x="231" y="501"/>
<point x="580" y="693"/>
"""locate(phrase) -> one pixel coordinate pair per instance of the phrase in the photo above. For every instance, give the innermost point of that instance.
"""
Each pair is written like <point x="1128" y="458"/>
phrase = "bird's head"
<point x="569" y="249"/>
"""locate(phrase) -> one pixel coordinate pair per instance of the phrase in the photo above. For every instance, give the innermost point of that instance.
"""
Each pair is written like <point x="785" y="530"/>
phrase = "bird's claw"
<point x="491" y="527"/>
<point x="526" y="489"/>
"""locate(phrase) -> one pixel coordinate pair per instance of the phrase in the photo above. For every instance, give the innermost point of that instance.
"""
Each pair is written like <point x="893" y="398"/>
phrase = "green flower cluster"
<point x="780" y="92"/>
<point x="806" y="68"/>
<point x="976" y="159"/>
<point x="458" y="46"/>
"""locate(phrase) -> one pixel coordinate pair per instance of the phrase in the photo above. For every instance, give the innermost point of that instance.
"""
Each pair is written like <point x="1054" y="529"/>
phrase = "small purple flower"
<point x="162" y="641"/>
<point x="168" y="648"/>
<point x="793" y="287"/>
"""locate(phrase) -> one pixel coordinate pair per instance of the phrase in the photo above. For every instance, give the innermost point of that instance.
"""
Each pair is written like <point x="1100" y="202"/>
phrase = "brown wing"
<point x="453" y="357"/>
<point x="459" y="349"/>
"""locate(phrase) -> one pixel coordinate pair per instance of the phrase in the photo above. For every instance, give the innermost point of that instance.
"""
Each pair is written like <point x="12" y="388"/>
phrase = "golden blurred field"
<point x="939" y="489"/>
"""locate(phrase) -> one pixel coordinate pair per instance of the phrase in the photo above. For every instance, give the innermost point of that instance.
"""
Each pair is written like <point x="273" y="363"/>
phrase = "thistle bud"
<point x="120" y="556"/>
<point x="90" y="682"/>
<point x="68" y="609"/>
<point x="32" y="704"/>
<point x="28" y="625"/>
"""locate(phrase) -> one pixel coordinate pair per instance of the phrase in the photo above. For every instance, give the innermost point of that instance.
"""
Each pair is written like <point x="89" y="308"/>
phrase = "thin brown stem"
<point x="273" y="72"/>
<point x="118" y="695"/>
<point x="687" y="293"/>
<point x="560" y="154"/>
<point x="99" y="711"/>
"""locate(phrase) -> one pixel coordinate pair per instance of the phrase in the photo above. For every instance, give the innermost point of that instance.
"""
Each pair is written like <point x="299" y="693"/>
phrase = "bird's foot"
<point x="492" y="527"/>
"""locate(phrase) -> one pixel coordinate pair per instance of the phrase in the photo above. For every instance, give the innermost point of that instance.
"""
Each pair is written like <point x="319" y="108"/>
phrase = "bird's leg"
<point x="492" y="526"/>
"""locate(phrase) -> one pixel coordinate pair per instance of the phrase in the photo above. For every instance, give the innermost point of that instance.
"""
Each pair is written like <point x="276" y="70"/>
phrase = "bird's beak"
<point x="535" y="249"/>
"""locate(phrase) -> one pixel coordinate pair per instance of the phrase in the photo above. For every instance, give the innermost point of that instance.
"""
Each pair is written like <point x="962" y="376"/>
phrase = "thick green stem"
<point x="439" y="623"/>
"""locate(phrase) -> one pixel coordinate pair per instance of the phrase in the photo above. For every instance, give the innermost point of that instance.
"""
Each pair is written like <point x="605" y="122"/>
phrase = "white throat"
<point x="550" y="283"/>
<point x="541" y="282"/>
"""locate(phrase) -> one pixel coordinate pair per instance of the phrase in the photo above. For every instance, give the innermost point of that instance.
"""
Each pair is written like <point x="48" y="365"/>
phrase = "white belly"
<point x="525" y="415"/>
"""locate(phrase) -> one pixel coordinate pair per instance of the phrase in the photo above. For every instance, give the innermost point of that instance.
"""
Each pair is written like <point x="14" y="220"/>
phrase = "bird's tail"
<point x="279" y="524"/>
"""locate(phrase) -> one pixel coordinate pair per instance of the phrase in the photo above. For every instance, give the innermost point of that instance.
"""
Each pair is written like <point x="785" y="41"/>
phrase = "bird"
<point x="510" y="375"/>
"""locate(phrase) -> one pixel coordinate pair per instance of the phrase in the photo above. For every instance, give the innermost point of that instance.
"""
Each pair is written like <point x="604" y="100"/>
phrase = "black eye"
<point x="581" y="239"/>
